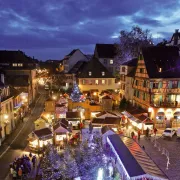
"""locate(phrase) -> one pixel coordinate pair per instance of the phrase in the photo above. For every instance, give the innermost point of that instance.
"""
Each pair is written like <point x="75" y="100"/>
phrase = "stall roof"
<point x="126" y="114"/>
<point x="135" y="160"/>
<point x="43" y="132"/>
<point x="73" y="115"/>
<point x="107" y="120"/>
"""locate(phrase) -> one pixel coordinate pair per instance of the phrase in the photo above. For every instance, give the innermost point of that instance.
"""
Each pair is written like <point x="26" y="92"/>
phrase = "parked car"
<point x="169" y="132"/>
<point x="178" y="132"/>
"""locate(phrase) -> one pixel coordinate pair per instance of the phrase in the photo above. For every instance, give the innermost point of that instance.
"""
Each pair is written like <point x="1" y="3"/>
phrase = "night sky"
<point x="50" y="29"/>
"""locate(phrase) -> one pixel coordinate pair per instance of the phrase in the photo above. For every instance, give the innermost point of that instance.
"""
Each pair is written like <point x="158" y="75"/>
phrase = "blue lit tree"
<point x="76" y="95"/>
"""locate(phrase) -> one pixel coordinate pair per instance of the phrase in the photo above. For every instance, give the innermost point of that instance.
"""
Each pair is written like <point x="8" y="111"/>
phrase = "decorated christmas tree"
<point x="76" y="95"/>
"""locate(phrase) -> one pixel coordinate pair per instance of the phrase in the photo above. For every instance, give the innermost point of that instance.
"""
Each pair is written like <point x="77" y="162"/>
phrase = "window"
<point x="105" y="61"/>
<point x="103" y="73"/>
<point x="14" y="64"/>
<point x="20" y="64"/>
<point x="103" y="81"/>
<point x="144" y="96"/>
<point x="174" y="84"/>
<point x="160" y="69"/>
<point x="123" y="69"/>
<point x="96" y="81"/>
<point x="136" y="82"/>
<point x="90" y="73"/>
<point x="141" y="70"/>
<point x="83" y="81"/>
<point x="111" y="61"/>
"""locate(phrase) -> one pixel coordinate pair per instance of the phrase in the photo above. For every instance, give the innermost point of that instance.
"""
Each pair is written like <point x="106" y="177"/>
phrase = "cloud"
<point x="60" y="26"/>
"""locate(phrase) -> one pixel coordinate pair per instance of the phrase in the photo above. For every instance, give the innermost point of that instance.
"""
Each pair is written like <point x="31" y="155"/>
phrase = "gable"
<point x="141" y="70"/>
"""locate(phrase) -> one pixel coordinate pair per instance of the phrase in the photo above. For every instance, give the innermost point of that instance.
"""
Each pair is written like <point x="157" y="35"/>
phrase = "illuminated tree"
<point x="76" y="95"/>
<point x="131" y="43"/>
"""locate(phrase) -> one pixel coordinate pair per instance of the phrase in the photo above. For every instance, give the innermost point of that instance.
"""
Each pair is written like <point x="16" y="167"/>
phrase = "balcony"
<point x="172" y="104"/>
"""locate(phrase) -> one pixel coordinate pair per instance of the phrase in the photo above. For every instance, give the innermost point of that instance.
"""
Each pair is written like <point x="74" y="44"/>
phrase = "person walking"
<point x="14" y="174"/>
<point x="139" y="134"/>
<point x="155" y="131"/>
<point x="34" y="160"/>
<point x="20" y="173"/>
<point x="132" y="134"/>
<point x="147" y="133"/>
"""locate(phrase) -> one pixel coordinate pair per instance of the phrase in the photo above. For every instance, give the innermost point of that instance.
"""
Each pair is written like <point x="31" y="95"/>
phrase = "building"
<point x="157" y="84"/>
<point x="95" y="76"/>
<point x="106" y="53"/>
<point x="17" y="59"/>
<point x="20" y="104"/>
<point x="66" y="64"/>
<point x="127" y="72"/>
<point x="20" y="71"/>
<point x="7" y="123"/>
<point x="86" y="108"/>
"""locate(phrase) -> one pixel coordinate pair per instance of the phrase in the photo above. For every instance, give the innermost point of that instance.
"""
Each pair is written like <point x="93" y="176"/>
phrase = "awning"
<point x="177" y="113"/>
<point x="160" y="114"/>
<point x="126" y="114"/>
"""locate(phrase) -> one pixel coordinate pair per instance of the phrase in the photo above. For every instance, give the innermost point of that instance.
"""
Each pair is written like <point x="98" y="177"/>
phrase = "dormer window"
<point x="111" y="61"/>
<point x="20" y="64"/>
<point x="14" y="64"/>
<point x="90" y="73"/>
<point x="160" y="69"/>
<point x="103" y="73"/>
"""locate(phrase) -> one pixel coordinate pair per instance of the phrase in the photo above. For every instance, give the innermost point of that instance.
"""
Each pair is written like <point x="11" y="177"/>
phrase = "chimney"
<point x="2" y="78"/>
<point x="176" y="30"/>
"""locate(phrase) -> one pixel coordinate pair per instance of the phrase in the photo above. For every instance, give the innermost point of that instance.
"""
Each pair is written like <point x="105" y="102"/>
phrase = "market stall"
<point x="40" y="138"/>
<point x="132" y="162"/>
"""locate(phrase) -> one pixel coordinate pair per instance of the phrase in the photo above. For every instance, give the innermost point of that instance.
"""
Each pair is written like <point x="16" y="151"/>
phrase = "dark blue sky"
<point x="50" y="29"/>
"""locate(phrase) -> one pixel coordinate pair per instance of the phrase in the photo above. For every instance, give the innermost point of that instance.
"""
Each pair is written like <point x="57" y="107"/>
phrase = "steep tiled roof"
<point x="77" y="67"/>
<point x="106" y="50"/>
<point x="165" y="57"/>
<point x="132" y="73"/>
<point x="72" y="52"/>
<point x="15" y="57"/>
<point x="132" y="62"/>
<point x="17" y="80"/>
<point x="96" y="68"/>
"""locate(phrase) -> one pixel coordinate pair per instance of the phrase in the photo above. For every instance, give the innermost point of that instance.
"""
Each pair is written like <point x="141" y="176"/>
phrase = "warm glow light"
<point x="94" y="93"/>
<point x="119" y="82"/>
<point x="150" y="109"/>
<point x="130" y="127"/>
<point x="6" y="116"/>
<point x="54" y="97"/>
<point x="161" y="110"/>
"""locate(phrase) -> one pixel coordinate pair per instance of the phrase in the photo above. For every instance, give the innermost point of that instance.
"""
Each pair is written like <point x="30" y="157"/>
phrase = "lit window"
<point x="96" y="81"/>
<point x="160" y="69"/>
<point x="111" y="61"/>
<point x="103" y="81"/>
<point x="14" y="64"/>
<point x="20" y="64"/>
<point x="103" y="73"/>
<point x="90" y="73"/>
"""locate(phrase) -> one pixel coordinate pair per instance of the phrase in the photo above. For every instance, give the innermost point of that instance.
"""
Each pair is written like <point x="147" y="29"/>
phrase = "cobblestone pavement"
<point x="172" y="146"/>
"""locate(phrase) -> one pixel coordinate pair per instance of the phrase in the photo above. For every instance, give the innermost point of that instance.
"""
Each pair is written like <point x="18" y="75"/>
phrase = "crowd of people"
<point x="21" y="167"/>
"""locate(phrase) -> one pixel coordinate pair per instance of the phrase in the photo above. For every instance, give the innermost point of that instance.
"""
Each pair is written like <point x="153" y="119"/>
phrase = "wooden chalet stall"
<point x="132" y="161"/>
<point x="73" y="118"/>
<point x="40" y="138"/>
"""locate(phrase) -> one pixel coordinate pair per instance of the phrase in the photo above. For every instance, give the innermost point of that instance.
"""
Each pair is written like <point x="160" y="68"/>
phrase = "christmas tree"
<point x="76" y="95"/>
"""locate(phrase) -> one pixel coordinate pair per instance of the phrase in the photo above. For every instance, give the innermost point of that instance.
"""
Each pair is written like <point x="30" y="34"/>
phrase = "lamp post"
<point x="0" y="118"/>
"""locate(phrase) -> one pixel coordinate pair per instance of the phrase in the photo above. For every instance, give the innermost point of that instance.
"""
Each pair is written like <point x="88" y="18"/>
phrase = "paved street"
<point x="16" y="144"/>
<point x="173" y="147"/>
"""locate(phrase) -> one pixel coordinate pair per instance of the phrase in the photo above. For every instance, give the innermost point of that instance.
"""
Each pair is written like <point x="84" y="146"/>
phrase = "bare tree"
<point x="131" y="43"/>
